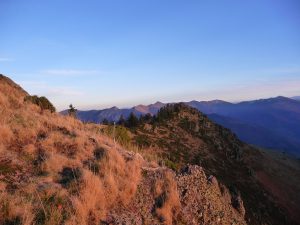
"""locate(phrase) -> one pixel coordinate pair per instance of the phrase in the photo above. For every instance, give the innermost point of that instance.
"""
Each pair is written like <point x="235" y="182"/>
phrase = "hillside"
<point x="259" y="135"/>
<point x="268" y="182"/>
<point x="56" y="170"/>
<point x="269" y="123"/>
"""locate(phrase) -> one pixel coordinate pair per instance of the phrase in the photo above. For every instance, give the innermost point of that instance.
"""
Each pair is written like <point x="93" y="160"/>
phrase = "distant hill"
<point x="296" y="98"/>
<point x="269" y="123"/>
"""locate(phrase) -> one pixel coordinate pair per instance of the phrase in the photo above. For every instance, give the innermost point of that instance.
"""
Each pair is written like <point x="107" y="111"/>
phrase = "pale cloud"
<point x="69" y="72"/>
<point x="5" y="59"/>
<point x="63" y="91"/>
<point x="42" y="88"/>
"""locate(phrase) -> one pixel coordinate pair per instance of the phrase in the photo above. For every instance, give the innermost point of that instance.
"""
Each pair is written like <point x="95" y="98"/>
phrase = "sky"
<point x="97" y="54"/>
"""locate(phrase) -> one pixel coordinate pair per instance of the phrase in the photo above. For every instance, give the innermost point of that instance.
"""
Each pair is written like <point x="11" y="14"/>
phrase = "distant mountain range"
<point x="269" y="123"/>
<point x="296" y="98"/>
<point x="114" y="113"/>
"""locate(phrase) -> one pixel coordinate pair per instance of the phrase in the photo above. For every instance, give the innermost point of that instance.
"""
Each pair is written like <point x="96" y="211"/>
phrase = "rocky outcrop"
<point x="204" y="201"/>
<point x="187" y="197"/>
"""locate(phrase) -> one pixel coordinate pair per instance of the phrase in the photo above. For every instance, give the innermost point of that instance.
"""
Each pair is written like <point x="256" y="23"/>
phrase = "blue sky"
<point x="97" y="54"/>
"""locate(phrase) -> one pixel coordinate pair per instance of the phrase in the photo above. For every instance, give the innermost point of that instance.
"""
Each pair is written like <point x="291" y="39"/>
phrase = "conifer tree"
<point x="132" y="121"/>
<point x="122" y="121"/>
<point x="105" y="122"/>
<point x="72" y="111"/>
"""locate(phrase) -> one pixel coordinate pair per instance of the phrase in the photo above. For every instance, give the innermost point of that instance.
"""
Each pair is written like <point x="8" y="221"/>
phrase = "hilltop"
<point x="268" y="182"/>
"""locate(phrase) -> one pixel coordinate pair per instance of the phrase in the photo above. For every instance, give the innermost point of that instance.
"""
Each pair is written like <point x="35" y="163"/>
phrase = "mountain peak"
<point x="279" y="98"/>
<point x="114" y="108"/>
<point x="141" y="108"/>
<point x="157" y="104"/>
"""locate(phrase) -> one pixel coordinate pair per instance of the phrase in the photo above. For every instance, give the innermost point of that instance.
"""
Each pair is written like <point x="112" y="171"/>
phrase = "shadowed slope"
<point x="181" y="134"/>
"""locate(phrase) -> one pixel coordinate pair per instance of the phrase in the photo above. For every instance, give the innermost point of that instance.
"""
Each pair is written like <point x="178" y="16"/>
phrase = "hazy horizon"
<point x="98" y="54"/>
<point x="97" y="107"/>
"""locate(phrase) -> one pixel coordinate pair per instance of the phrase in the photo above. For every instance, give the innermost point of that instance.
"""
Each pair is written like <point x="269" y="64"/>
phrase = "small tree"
<point x="72" y="111"/>
<point x="132" y="121"/>
<point x="121" y="121"/>
<point x="105" y="121"/>
<point x="147" y="118"/>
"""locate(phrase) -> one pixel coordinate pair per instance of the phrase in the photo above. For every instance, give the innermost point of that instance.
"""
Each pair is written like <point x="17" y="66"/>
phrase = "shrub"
<point x="119" y="133"/>
<point x="99" y="153"/>
<point x="69" y="175"/>
<point x="42" y="102"/>
<point x="142" y="141"/>
<point x="170" y="164"/>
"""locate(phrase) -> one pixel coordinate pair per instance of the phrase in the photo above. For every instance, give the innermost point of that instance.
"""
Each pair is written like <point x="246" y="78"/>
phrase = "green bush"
<point x="186" y="124"/>
<point x="120" y="133"/>
<point x="42" y="102"/>
<point x="142" y="141"/>
<point x="170" y="164"/>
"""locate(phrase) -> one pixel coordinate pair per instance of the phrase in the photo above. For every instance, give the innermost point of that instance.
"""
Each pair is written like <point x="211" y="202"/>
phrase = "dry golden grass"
<point x="6" y="133"/>
<point x="168" y="202"/>
<point x="89" y="205"/>
<point x="15" y="209"/>
<point x="36" y="148"/>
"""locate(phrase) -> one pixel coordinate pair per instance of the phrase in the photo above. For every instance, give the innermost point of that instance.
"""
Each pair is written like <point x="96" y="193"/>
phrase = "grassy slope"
<point x="55" y="169"/>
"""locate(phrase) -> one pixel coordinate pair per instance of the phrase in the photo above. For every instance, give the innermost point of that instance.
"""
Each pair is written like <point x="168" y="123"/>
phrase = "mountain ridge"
<point x="270" y="123"/>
